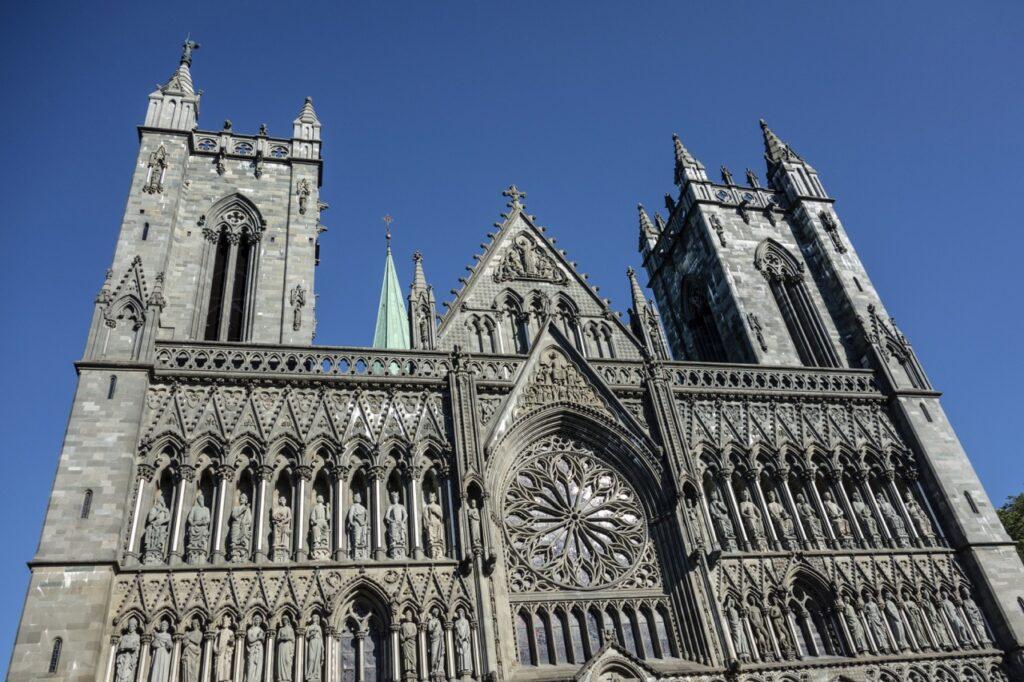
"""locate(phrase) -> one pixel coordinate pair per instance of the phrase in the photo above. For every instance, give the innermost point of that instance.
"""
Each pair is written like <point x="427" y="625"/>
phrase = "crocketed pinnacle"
<point x="392" y="320"/>
<point x="684" y="160"/>
<point x="639" y="300"/>
<point x="180" y="82"/>
<point x="775" y="150"/>
<point x="308" y="113"/>
<point x="419" y="280"/>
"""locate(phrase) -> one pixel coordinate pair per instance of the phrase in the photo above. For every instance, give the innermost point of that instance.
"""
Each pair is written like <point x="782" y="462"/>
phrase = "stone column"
<point x="475" y="663"/>
<point x="304" y="475"/>
<point x="143" y="475"/>
<point x="268" y="654"/>
<point x="396" y="655"/>
<point x="224" y="474"/>
<point x="109" y="676"/>
<point x="912" y="532"/>
<point x="176" y="657"/>
<point x="207" y="662"/>
<point x="184" y="489"/>
<point x="338" y="516"/>
<point x="265" y="472"/>
<point x="883" y="525"/>
<point x="450" y="523"/>
<point x="844" y="500"/>
<point x="798" y="524"/>
<point x="239" y="651"/>
<point x="300" y="654"/>
<point x="377" y="475"/>
<point x="415" y="531"/>
<point x="741" y="532"/>
<point x="332" y="659"/>
<point x="421" y="654"/>
<point x="811" y="484"/>
<point x="142" y="666"/>
<point x="754" y="481"/>
<point x="449" y="651"/>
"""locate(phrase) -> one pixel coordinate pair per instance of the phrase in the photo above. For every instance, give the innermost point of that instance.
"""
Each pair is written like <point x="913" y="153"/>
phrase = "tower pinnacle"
<point x="775" y="150"/>
<point x="392" y="330"/>
<point x="175" y="104"/>
<point x="687" y="166"/>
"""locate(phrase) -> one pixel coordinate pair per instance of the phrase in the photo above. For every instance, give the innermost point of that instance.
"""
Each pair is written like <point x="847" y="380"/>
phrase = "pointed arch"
<point x="700" y="321"/>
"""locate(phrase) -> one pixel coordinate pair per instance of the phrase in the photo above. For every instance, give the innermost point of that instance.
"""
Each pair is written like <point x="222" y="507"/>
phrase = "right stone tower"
<point x="768" y="275"/>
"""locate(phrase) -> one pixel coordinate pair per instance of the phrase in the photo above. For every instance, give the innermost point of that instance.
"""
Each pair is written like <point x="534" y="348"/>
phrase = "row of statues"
<point x="240" y="530"/>
<point x="782" y="521"/>
<point x="408" y="639"/>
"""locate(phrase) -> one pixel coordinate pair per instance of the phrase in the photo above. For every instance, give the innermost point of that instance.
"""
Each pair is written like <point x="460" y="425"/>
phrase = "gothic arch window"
<point x="231" y="263"/>
<point x="514" y="322"/>
<point x="599" y="338"/>
<point x="786" y="278"/>
<point x="569" y="320"/>
<point x="699" y="320"/>
<point x="58" y="644"/>
<point x="814" y="627"/>
<point x="362" y="643"/>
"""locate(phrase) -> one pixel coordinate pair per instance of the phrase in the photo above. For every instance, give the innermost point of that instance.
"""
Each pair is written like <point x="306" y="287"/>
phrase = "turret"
<point x="787" y="172"/>
<point x="687" y="167"/>
<point x="422" y="308"/>
<point x="645" y="322"/>
<point x="649" y="235"/>
<point x="175" y="104"/>
<point x="306" y="132"/>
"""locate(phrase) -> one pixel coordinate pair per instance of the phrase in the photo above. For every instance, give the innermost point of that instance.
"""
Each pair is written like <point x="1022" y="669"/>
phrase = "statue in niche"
<point x="938" y="627"/>
<point x="435" y="641"/>
<point x="285" y="650"/>
<point x="160" y="669"/>
<point x="956" y="623"/>
<point x="752" y="519"/>
<point x="782" y="518"/>
<point x="921" y="520"/>
<point x="781" y="628"/>
<point x="407" y="635"/>
<point x="197" y="537"/>
<point x="396" y="519"/>
<point x="723" y="524"/>
<point x="281" y="524"/>
<point x="739" y="637"/>
<point x="192" y="652"/>
<point x="254" y="650"/>
<point x="320" y="530"/>
<point x="154" y="538"/>
<point x="892" y="612"/>
<point x="434" y="521"/>
<point x="810" y="518"/>
<point x="526" y="260"/>
<point x="974" y="616"/>
<point x="314" y="651"/>
<point x="240" y="533"/>
<point x="866" y="518"/>
<point x="127" y="656"/>
<point x="853" y="624"/>
<point x="475" y="529"/>
<point x="223" y="651"/>
<point x="463" y="644"/>
<point x="877" y="625"/>
<point x="837" y="518"/>
<point x="895" y="521"/>
<point x="358" y="528"/>
<point x="917" y="625"/>
<point x="760" y="629"/>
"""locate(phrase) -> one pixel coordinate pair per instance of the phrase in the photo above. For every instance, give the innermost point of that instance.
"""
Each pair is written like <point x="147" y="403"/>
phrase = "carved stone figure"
<point x="921" y="520"/>
<point x="899" y="632"/>
<point x="314" y="651"/>
<point x="752" y="520"/>
<point x="254" y="650"/>
<point x="463" y="644"/>
<point x="281" y="526"/>
<point x="809" y="517"/>
<point x="527" y="261"/>
<point x="867" y="520"/>
<point x="434" y="522"/>
<point x="154" y="540"/>
<point x="782" y="519"/>
<point x="160" y="668"/>
<point x="197" y="535"/>
<point x="837" y="518"/>
<point x="320" y="530"/>
<point x="877" y="625"/>
<point x="358" y="528"/>
<point x="975" y="617"/>
<point x="556" y="379"/>
<point x="297" y="298"/>
<point x="127" y="656"/>
<point x="961" y="637"/>
<point x="760" y="629"/>
<point x="739" y="637"/>
<point x="938" y="626"/>
<point x="223" y="651"/>
<point x="191" y="652"/>
<point x="854" y="626"/>
<point x="475" y="530"/>
<point x="407" y="635"/>
<point x="396" y="519"/>
<point x="781" y="629"/>
<point x="240" y="533"/>
<point x="723" y="524"/>
<point x="917" y="626"/>
<point x="285" y="650"/>
<point x="435" y="643"/>
<point x="895" y="521"/>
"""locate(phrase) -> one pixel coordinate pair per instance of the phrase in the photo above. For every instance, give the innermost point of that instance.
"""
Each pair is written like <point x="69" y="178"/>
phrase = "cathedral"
<point x="746" y="477"/>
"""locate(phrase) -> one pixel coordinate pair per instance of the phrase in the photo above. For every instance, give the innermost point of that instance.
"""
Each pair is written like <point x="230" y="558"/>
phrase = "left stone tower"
<point x="218" y="243"/>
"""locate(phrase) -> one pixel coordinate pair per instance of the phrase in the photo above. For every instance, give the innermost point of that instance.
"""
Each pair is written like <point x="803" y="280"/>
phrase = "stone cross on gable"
<point x="515" y="195"/>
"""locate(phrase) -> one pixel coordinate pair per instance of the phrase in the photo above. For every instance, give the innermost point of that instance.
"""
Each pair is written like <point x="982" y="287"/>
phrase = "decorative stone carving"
<point x="837" y="518"/>
<point x="475" y="530"/>
<point x="163" y="644"/>
<point x="314" y="661"/>
<point x="157" y="169"/>
<point x="281" y="527"/>
<point x="752" y="520"/>
<point x="723" y="523"/>
<point x="755" y="616"/>
<point x="527" y="260"/>
<point x="781" y="629"/>
<point x="896" y="627"/>
<point x="716" y="225"/>
<point x="297" y="298"/>
<point x="127" y="655"/>
<point x="739" y="637"/>
<point x="895" y="521"/>
<point x="917" y="626"/>
<point x="223" y="651"/>
<point x="937" y="626"/>
<point x="832" y="230"/>
<point x="191" y="652"/>
<point x="408" y="634"/>
<point x="862" y="511"/>
<point x="463" y="644"/>
<point x="285" y="650"/>
<point x="877" y="626"/>
<point x="755" y="326"/>
<point x="254" y="650"/>
<point x="303" y="192"/>
<point x="921" y="520"/>
<point x="435" y="644"/>
<point x="556" y="379"/>
<point x="154" y="540"/>
<point x="809" y="518"/>
<point x="854" y="626"/>
<point x="961" y="637"/>
<point x="320" y="530"/>
<point x="197" y="534"/>
<point x="782" y="519"/>
<point x="397" y="520"/>
<point x="358" y="528"/>
<point x="434" y="522"/>
<point x="975" y="617"/>
<point x="240" y="533"/>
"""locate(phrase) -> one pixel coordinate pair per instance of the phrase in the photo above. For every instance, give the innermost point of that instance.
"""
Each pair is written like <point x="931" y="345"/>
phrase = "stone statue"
<point x="837" y="518"/>
<point x="781" y="628"/>
<point x="866" y="518"/>
<point x="314" y="651"/>
<point x="407" y="635"/>
<point x="285" y="650"/>
<point x="938" y="627"/>
<point x="191" y="652"/>
<point x="877" y="625"/>
<point x="739" y="637"/>
<point x="960" y="635"/>
<point x="917" y="625"/>
<point x="475" y="529"/>
<point x="320" y="530"/>
<point x="752" y="519"/>
<point x="154" y="539"/>
<point x="396" y="519"/>
<point x="974" y="616"/>
<point x="240" y="533"/>
<point x="127" y="656"/>
<point x="434" y="522"/>
<point x="358" y="528"/>
<point x="895" y="521"/>
<point x="723" y="524"/>
<point x="782" y="519"/>
<point x="899" y="632"/>
<point x="281" y="524"/>
<point x="223" y="651"/>
<point x="757" y="625"/>
<point x="854" y="625"/>
<point x="435" y="642"/>
<point x="921" y="520"/>
<point x="254" y="650"/>
<point x="463" y="644"/>
<point x="197" y="535"/>
<point x="809" y="516"/>
<point x="163" y="644"/>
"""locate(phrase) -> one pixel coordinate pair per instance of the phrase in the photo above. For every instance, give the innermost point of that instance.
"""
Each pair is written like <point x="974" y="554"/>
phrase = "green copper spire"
<point x="392" y="321"/>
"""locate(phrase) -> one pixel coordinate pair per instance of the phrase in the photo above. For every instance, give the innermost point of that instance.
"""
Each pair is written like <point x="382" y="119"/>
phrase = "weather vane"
<point x="387" y="227"/>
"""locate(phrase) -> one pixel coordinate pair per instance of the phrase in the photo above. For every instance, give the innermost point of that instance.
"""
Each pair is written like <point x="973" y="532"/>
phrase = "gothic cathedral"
<point x="752" y="479"/>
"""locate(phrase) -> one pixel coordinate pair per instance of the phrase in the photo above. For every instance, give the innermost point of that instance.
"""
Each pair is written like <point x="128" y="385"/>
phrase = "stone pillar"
<point x="338" y="516"/>
<point x="185" y="488"/>
<point x="787" y="495"/>
<point x="206" y="665"/>
<point x="449" y="651"/>
<point x="111" y="657"/>
<point x="754" y="481"/>
<point x="844" y="500"/>
<point x="415" y="531"/>
<point x="454" y="539"/>
<point x="142" y="666"/>
<point x="143" y="476"/>
<point x="300" y="654"/>
<point x="396" y="655"/>
<point x="475" y="663"/>
<point x="265" y="472"/>
<point x="377" y="540"/>
<point x="239" y="651"/>
<point x="810" y="482"/>
<point x="332" y="659"/>
<point x="883" y="525"/>
<point x="304" y="475"/>
<point x="176" y="657"/>
<point x="268" y="654"/>
<point x="421" y="652"/>
<point x="224" y="474"/>
<point x="730" y="495"/>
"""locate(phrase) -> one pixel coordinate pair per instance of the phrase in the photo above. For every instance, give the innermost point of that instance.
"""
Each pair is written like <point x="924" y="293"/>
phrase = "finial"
<point x="515" y="195"/>
<point x="186" y="50"/>
<point x="630" y="272"/>
<point x="726" y="176"/>
<point x="263" y="130"/>
<point x="417" y="256"/>
<point x="227" y="124"/>
<point x="309" y="100"/>
<point x="387" y="229"/>
<point x="752" y="178"/>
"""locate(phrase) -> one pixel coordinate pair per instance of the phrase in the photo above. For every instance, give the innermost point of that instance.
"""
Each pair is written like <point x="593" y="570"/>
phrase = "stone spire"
<point x="636" y="292"/>
<point x="175" y="104"/>
<point x="392" y="321"/>
<point x="644" y="321"/>
<point x="788" y="172"/>
<point x="775" y="150"/>
<point x="648" y="233"/>
<point x="306" y="132"/>
<point x="422" y="308"/>
<point x="687" y="167"/>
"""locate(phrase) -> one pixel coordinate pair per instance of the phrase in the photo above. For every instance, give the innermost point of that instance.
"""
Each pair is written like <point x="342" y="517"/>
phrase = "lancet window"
<point x="514" y="323"/>
<point x="699" y="318"/>
<point x="231" y="262"/>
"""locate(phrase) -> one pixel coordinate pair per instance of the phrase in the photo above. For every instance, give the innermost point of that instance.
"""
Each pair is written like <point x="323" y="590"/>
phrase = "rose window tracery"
<point x="571" y="520"/>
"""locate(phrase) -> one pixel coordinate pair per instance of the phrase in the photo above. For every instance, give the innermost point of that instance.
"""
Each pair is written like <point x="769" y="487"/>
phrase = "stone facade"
<point x="539" y="489"/>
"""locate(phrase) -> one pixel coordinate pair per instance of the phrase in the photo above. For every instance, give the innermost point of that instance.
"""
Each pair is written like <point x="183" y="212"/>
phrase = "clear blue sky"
<point x="912" y="112"/>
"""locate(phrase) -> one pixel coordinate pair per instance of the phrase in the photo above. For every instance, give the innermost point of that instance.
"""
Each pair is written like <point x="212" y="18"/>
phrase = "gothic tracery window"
<point x="235" y="240"/>
<point x="699" y="318"/>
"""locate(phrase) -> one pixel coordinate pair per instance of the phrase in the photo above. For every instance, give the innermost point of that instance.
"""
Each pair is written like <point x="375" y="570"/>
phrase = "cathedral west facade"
<point x="753" y="480"/>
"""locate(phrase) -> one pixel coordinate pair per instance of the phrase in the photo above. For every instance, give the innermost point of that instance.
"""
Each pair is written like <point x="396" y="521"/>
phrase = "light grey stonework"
<point x="613" y="500"/>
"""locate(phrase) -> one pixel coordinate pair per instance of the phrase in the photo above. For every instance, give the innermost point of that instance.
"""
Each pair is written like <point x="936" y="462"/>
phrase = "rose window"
<point x="572" y="520"/>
